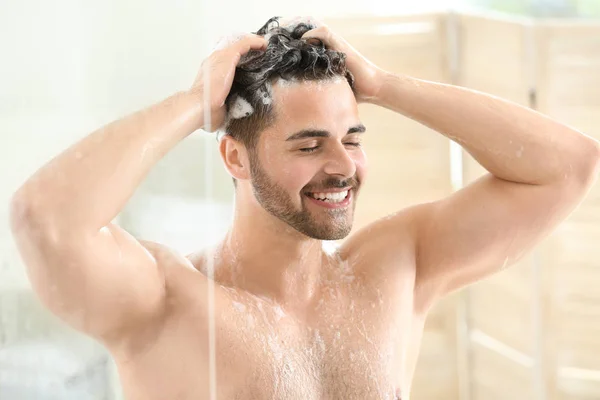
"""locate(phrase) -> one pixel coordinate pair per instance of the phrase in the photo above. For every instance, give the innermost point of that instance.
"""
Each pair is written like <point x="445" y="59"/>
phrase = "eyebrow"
<point x="311" y="133"/>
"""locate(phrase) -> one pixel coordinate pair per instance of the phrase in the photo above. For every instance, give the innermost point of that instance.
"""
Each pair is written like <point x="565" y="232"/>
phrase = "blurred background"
<point x="69" y="67"/>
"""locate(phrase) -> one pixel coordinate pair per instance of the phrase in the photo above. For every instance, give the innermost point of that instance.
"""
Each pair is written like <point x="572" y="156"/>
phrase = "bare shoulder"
<point x="169" y="259"/>
<point x="183" y="273"/>
<point x="385" y="248"/>
<point x="184" y="288"/>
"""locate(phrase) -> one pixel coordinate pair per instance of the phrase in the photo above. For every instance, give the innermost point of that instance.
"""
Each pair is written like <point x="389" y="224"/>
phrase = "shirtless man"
<point x="291" y="320"/>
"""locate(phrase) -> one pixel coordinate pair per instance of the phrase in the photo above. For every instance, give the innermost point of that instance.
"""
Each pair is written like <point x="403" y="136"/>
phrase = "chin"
<point x="333" y="235"/>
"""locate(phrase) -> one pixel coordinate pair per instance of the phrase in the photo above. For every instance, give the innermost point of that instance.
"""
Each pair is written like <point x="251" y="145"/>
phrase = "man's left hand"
<point x="368" y="78"/>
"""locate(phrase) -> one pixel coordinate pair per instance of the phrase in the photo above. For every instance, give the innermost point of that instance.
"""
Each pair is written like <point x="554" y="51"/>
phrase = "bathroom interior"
<point x="530" y="332"/>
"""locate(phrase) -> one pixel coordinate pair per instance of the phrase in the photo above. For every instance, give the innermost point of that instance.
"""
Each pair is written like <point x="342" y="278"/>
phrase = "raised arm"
<point x="88" y="271"/>
<point x="539" y="171"/>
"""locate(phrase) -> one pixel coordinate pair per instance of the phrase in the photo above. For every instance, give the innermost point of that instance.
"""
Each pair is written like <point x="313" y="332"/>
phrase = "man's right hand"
<point x="220" y="67"/>
<point x="87" y="270"/>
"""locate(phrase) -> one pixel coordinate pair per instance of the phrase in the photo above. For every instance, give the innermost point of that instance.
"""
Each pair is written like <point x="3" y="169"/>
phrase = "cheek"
<point x="302" y="173"/>
<point x="360" y="160"/>
<point x="294" y="175"/>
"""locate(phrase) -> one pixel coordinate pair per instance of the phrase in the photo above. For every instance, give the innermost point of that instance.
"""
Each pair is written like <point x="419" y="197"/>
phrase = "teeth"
<point x="331" y="197"/>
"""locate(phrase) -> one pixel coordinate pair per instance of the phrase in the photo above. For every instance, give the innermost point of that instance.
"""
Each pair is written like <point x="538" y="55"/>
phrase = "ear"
<point x="235" y="157"/>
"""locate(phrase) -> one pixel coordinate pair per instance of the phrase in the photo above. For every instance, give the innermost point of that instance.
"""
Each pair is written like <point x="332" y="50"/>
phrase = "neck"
<point x="266" y="257"/>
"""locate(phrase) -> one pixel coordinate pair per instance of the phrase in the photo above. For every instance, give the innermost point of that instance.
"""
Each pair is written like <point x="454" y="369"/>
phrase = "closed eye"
<point x="309" y="149"/>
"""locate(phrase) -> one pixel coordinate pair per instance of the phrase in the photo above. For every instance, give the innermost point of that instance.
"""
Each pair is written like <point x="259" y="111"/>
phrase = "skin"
<point x="291" y="320"/>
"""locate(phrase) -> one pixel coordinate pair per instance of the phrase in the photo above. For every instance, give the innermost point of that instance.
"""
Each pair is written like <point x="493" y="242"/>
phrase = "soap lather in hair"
<point x="315" y="322"/>
<point x="288" y="57"/>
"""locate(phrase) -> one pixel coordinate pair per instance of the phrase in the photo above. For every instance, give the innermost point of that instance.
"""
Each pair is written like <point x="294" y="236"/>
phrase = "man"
<point x="291" y="321"/>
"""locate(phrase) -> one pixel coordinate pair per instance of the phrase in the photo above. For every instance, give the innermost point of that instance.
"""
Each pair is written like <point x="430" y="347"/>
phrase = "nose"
<point x="340" y="162"/>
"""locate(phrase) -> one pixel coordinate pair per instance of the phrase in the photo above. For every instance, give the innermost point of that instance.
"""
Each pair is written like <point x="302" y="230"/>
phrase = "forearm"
<point x="512" y="142"/>
<point x="88" y="184"/>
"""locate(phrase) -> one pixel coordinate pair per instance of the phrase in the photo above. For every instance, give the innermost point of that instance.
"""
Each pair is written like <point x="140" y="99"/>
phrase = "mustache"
<point x="334" y="183"/>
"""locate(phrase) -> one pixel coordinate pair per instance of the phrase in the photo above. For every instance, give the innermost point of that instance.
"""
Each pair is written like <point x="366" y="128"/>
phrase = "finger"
<point x="228" y="40"/>
<point x="321" y="33"/>
<point x="316" y="41"/>
<point x="236" y="40"/>
<point x="250" y="42"/>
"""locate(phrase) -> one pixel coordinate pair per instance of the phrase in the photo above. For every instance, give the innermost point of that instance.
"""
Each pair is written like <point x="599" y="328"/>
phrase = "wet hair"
<point x="288" y="57"/>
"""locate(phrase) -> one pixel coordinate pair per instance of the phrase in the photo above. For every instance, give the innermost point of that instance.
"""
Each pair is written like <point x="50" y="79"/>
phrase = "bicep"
<point x="482" y="228"/>
<point x="101" y="283"/>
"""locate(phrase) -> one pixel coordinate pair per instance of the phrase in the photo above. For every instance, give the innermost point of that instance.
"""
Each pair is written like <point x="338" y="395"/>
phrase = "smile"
<point x="331" y="199"/>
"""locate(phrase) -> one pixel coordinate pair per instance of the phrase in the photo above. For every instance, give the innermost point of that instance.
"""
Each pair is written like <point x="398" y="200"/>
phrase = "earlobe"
<point x="234" y="157"/>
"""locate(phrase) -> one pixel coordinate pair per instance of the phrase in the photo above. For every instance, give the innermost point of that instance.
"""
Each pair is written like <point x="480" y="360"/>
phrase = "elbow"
<point x="20" y="212"/>
<point x="578" y="167"/>
<point x="34" y="222"/>
<point x="26" y="215"/>
<point x="591" y="163"/>
<point x="596" y="155"/>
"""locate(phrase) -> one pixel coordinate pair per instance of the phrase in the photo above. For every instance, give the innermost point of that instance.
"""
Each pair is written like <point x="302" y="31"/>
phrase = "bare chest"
<point x="350" y="344"/>
<point x="346" y="349"/>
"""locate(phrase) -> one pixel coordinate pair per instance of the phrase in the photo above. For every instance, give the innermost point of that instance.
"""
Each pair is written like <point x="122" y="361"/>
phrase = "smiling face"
<point x="307" y="167"/>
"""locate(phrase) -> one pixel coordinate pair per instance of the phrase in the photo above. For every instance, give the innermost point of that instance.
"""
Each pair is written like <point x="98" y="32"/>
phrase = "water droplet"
<point x="239" y="306"/>
<point x="520" y="152"/>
